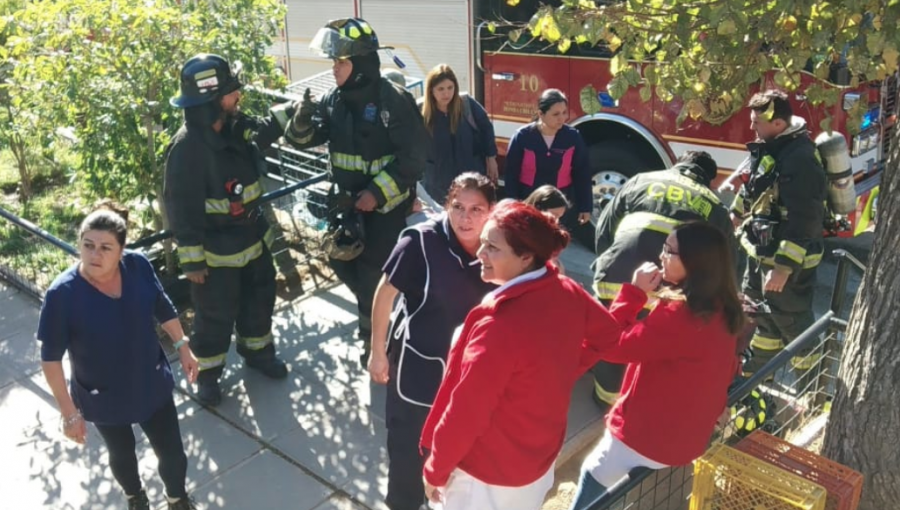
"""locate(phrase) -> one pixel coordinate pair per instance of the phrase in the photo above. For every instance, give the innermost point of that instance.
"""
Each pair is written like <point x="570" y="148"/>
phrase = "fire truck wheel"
<point x="612" y="163"/>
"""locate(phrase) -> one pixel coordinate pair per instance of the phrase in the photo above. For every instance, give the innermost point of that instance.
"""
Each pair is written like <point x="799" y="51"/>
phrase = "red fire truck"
<point x="629" y="136"/>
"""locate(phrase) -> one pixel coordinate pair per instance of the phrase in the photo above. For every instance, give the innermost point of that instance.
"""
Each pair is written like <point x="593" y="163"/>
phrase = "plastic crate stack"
<point x="727" y="479"/>
<point x="843" y="485"/>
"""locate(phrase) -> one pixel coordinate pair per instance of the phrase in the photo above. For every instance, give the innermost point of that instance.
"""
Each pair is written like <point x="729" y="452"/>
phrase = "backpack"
<point x="467" y="111"/>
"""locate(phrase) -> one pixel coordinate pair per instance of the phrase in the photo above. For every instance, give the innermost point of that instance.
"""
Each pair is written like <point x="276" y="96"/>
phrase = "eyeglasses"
<point x="667" y="250"/>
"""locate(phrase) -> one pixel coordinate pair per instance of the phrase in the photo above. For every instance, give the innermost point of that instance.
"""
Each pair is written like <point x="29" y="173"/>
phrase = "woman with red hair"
<point x="499" y="418"/>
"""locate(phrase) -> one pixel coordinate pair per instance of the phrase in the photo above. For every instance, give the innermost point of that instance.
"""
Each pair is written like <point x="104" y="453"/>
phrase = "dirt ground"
<point x="560" y="496"/>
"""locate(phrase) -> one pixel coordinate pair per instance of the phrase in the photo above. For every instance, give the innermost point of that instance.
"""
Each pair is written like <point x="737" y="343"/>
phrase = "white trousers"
<point x="465" y="492"/>
<point x="612" y="459"/>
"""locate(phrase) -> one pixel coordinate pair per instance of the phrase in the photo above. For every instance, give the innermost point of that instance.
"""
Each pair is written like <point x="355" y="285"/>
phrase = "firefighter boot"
<point x="139" y="501"/>
<point x="270" y="366"/>
<point x="208" y="391"/>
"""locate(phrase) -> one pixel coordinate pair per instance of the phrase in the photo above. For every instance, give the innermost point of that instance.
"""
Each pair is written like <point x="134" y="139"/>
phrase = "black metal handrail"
<point x="37" y="231"/>
<point x="148" y="241"/>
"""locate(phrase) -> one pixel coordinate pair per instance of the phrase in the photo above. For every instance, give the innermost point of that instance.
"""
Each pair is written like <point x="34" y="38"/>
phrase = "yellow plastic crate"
<point x="726" y="479"/>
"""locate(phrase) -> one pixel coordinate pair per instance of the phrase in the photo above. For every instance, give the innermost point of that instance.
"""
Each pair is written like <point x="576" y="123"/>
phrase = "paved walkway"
<point x="313" y="441"/>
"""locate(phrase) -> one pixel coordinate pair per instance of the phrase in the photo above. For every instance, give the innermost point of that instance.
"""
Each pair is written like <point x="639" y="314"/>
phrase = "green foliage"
<point x="708" y="52"/>
<point x="108" y="68"/>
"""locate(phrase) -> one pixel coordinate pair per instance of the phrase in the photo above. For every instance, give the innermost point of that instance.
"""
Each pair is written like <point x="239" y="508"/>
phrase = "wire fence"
<point x="789" y="400"/>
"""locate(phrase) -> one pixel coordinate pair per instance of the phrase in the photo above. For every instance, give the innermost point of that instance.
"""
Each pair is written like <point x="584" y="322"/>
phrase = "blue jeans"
<point x="589" y="491"/>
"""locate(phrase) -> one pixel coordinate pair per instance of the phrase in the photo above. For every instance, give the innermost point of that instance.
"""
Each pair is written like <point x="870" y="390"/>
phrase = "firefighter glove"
<point x="303" y="112"/>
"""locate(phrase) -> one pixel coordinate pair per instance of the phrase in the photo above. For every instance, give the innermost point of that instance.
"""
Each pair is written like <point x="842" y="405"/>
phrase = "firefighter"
<point x="781" y="210"/>
<point x="377" y="145"/>
<point x="212" y="187"/>
<point x="634" y="226"/>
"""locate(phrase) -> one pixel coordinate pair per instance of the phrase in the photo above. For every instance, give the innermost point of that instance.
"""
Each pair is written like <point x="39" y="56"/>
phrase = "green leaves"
<point x="590" y="104"/>
<point x="711" y="53"/>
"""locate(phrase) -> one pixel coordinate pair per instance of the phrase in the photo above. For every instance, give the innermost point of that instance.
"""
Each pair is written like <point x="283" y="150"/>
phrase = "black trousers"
<point x="165" y="437"/>
<point x="241" y="299"/>
<point x="405" y="422"/>
<point x="362" y="274"/>
<point x="791" y="312"/>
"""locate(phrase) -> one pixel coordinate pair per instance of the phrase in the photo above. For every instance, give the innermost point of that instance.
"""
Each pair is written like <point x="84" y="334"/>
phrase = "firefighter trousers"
<point x="233" y="299"/>
<point x="362" y="274"/>
<point x="791" y="314"/>
<point x="608" y="376"/>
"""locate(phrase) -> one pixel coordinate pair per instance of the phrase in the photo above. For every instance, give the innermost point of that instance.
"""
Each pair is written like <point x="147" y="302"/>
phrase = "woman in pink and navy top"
<point x="548" y="151"/>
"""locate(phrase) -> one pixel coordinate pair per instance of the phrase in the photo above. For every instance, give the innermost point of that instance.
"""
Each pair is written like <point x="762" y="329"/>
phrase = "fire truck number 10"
<point x="531" y="80"/>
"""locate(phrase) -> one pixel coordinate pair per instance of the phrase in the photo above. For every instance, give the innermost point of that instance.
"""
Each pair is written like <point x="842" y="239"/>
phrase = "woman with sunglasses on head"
<point x="103" y="311"/>
<point x="434" y="271"/>
<point x="689" y="340"/>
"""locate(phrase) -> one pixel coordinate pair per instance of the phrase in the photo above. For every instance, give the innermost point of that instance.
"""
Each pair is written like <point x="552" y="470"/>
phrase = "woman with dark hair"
<point x="101" y="311"/>
<point x="548" y="151"/>
<point x="462" y="135"/>
<point x="689" y="340"/>
<point x="549" y="199"/>
<point x="434" y="271"/>
<point x="499" y="418"/>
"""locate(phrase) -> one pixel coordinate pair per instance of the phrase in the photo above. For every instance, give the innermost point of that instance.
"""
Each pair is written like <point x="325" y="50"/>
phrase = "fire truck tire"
<point x="612" y="163"/>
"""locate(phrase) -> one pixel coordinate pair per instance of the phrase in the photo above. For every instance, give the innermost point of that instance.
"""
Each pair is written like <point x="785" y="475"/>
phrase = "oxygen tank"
<point x="836" y="160"/>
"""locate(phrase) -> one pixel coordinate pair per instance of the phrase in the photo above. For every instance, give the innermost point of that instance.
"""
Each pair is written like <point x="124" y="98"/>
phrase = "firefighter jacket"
<point x="212" y="185"/>
<point x="785" y="194"/>
<point x="633" y="227"/>
<point x="382" y="148"/>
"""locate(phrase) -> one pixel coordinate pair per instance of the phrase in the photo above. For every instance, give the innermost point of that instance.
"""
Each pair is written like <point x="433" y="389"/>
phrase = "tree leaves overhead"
<point x="711" y="52"/>
<point x="107" y="69"/>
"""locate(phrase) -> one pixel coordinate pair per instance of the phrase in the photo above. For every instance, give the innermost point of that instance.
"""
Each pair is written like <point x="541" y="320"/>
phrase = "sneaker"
<point x="139" y="502"/>
<point x="209" y="393"/>
<point x="186" y="503"/>
<point x="272" y="368"/>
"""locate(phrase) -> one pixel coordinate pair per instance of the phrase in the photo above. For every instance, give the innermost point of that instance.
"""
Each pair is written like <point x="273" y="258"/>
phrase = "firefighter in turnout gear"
<point x="780" y="209"/>
<point x="212" y="186"/>
<point x="633" y="228"/>
<point x="377" y="144"/>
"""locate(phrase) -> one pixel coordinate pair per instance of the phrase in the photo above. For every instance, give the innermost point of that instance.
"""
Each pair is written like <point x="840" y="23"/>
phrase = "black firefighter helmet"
<point x="345" y="38"/>
<point x="206" y="77"/>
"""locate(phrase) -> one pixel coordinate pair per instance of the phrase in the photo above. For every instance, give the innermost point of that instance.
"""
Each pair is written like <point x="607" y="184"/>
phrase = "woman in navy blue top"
<point x="548" y="151"/>
<point x="102" y="311"/>
<point x="434" y="270"/>
<point x="462" y="135"/>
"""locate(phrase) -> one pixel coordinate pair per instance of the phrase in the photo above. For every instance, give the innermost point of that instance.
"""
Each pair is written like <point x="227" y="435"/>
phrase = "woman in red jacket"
<point x="689" y="340"/>
<point x="499" y="418"/>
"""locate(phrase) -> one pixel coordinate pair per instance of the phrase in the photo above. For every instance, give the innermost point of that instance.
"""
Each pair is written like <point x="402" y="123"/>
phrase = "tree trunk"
<point x="864" y="429"/>
<point x="20" y="152"/>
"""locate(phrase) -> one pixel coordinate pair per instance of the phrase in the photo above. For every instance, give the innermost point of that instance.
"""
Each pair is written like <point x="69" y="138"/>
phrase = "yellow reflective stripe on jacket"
<point x="356" y="163"/>
<point x="606" y="290"/>
<point x="211" y="362"/>
<point x="269" y="237"/>
<point x="811" y="261"/>
<point x="767" y="163"/>
<point x="220" y="205"/>
<point x="252" y="192"/>
<point x="216" y="206"/>
<point x="766" y="343"/>
<point x="391" y="204"/>
<point x="191" y="254"/>
<point x="647" y="221"/>
<point x="239" y="259"/>
<point x="255" y="343"/>
<point x="388" y="186"/>
<point x="792" y="251"/>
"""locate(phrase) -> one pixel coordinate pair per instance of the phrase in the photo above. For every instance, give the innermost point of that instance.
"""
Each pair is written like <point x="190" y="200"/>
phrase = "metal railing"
<point x="31" y="257"/>
<point x="798" y="398"/>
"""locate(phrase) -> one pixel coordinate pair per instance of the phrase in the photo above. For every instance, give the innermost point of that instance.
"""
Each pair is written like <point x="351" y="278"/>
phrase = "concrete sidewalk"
<point x="313" y="441"/>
